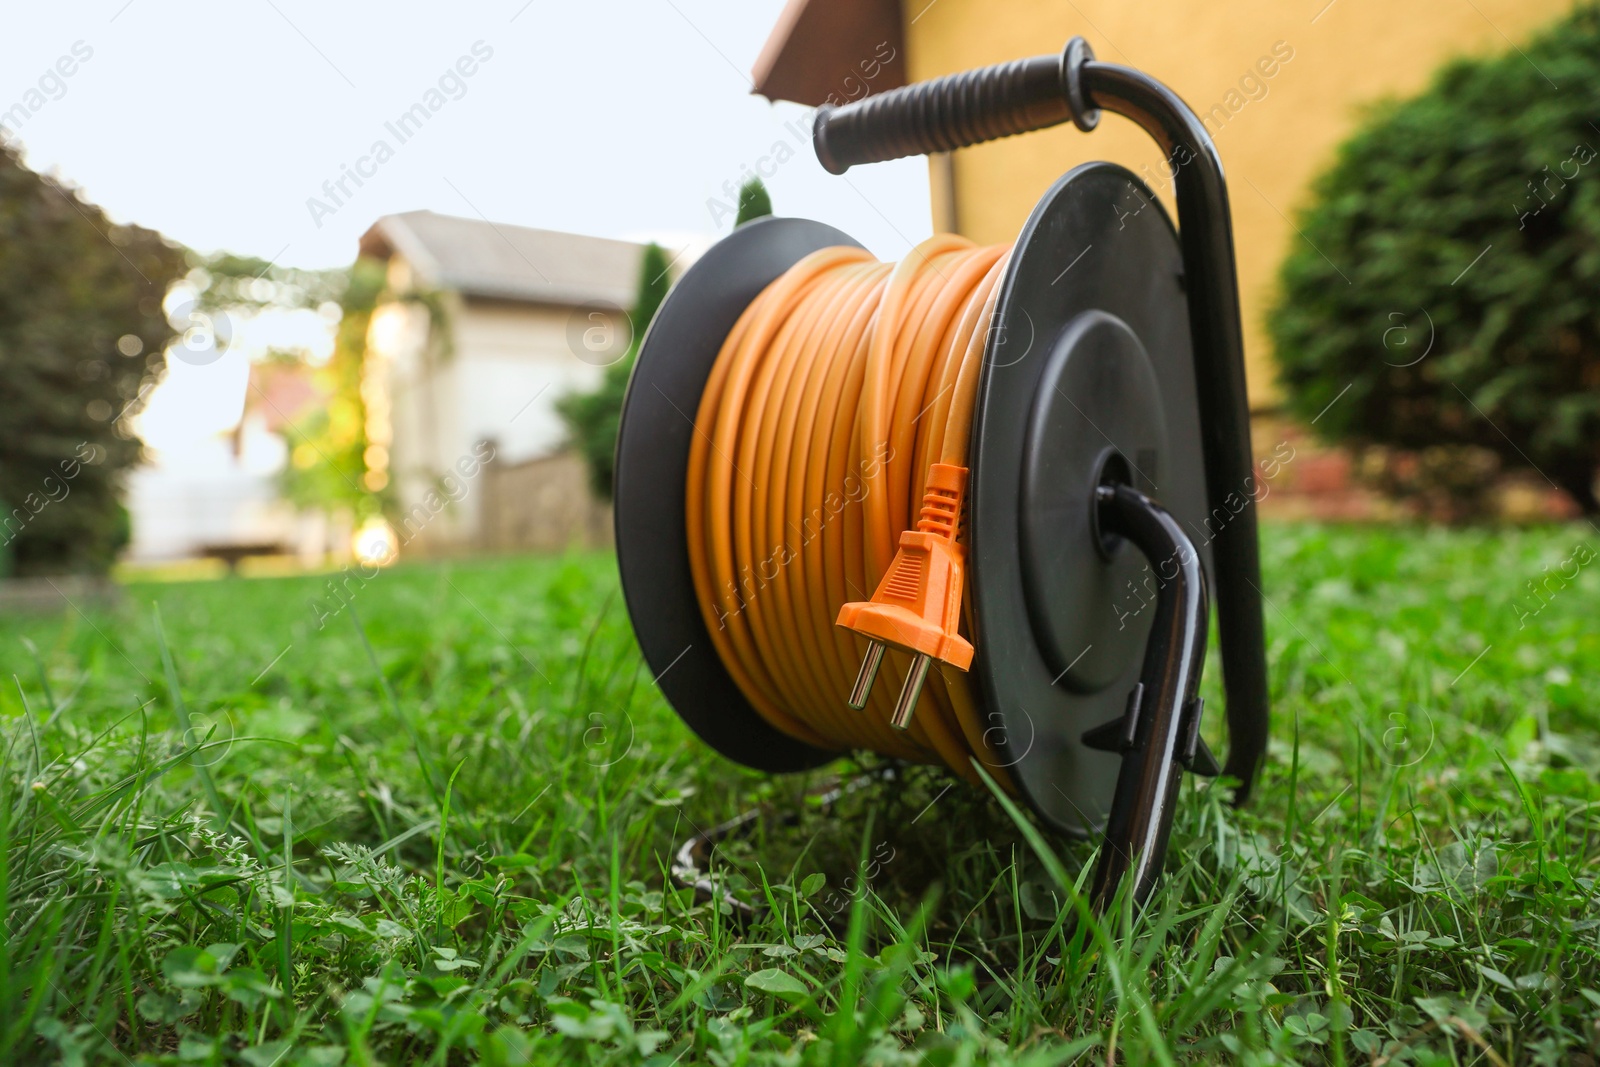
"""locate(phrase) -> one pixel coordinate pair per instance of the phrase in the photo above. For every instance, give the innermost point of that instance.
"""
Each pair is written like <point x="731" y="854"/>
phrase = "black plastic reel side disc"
<point x="1088" y="377"/>
<point x="656" y="430"/>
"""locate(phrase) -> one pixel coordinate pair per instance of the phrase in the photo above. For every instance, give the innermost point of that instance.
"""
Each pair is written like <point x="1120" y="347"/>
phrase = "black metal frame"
<point x="1158" y="735"/>
<point x="976" y="106"/>
<point x="1205" y="232"/>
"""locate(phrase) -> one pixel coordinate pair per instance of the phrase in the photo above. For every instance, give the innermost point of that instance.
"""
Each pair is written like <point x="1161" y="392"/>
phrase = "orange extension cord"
<point x="841" y="399"/>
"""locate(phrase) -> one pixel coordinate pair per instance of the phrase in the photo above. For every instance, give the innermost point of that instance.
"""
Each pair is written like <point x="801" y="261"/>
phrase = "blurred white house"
<point x="484" y="326"/>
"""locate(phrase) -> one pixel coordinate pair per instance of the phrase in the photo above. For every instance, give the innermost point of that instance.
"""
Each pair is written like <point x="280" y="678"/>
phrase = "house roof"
<point x="498" y="261"/>
<point x="822" y="48"/>
<point x="281" y="392"/>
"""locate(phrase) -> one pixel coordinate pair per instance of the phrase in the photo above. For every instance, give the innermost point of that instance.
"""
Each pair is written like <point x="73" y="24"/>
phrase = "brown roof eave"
<point x="832" y="51"/>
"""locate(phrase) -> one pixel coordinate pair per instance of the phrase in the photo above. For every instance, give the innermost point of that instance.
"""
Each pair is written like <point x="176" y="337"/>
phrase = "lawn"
<point x="431" y="820"/>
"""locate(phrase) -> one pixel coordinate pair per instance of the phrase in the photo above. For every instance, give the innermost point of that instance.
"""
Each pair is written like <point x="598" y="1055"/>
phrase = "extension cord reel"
<point x="1109" y="433"/>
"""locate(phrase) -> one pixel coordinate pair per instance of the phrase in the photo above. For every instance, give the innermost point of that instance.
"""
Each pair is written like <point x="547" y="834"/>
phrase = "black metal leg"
<point x="1159" y="735"/>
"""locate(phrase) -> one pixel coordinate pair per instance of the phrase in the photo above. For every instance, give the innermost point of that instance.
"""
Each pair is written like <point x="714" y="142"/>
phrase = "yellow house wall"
<point x="1344" y="55"/>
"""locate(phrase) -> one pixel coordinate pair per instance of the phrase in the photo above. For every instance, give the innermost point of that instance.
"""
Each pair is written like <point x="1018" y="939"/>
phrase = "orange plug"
<point x="917" y="606"/>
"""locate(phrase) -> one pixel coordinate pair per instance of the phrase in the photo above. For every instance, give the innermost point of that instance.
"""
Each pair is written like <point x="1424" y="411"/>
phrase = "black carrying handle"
<point x="1031" y="94"/>
<point x="956" y="111"/>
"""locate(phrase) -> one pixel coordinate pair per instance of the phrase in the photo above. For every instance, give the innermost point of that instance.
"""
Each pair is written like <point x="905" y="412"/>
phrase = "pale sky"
<point x="215" y="123"/>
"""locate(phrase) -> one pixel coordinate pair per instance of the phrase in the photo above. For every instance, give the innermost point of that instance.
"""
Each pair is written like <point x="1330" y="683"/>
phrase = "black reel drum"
<point x="1110" y="438"/>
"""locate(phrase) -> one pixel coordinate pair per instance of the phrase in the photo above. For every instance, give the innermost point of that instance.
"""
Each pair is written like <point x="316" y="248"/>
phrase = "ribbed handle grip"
<point x="954" y="111"/>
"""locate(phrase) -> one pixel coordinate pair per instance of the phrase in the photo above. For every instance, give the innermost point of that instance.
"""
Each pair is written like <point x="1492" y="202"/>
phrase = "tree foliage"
<point x="592" y="418"/>
<point x="328" y="444"/>
<point x="327" y="448"/>
<point x="754" y="202"/>
<point x="1446" y="294"/>
<point x="82" y="336"/>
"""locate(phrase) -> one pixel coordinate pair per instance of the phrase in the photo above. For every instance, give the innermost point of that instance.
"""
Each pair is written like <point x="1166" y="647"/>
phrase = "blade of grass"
<point x="219" y="812"/>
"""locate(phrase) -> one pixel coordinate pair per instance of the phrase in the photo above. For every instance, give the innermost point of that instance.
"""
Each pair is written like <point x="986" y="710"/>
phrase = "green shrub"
<point x="592" y="418"/>
<point x="1446" y="292"/>
<point x="754" y="202"/>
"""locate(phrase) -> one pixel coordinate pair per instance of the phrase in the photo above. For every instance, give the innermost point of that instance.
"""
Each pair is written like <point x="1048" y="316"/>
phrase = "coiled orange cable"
<point x="833" y="394"/>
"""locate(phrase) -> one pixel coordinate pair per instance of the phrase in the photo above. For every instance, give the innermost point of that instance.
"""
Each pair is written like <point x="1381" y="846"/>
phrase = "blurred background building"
<point x="486" y="325"/>
<point x="480" y="328"/>
<point x="1276" y="118"/>
<point x="1276" y="122"/>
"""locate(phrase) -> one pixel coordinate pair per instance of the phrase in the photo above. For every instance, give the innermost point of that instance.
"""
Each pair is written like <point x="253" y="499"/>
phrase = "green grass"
<point x="233" y="836"/>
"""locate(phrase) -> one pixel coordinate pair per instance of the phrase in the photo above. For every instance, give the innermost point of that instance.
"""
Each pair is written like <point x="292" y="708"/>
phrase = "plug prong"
<point x="867" y="675"/>
<point x="911" y="692"/>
